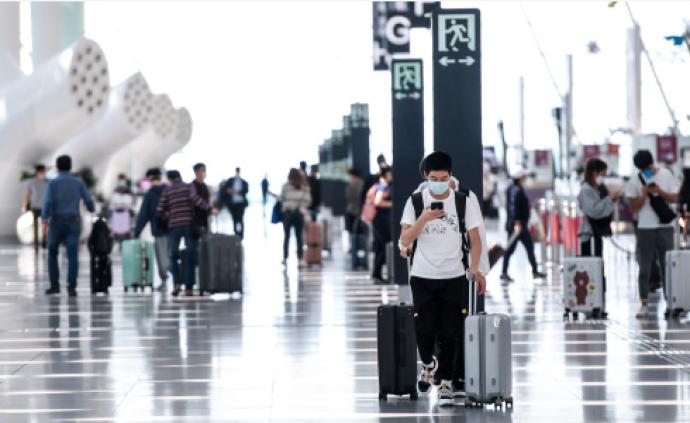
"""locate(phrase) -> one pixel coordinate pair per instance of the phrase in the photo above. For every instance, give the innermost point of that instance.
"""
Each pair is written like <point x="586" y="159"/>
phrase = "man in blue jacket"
<point x="61" y="213"/>
<point x="159" y="228"/>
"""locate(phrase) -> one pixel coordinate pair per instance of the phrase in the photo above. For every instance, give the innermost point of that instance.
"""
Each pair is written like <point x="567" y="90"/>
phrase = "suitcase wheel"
<point x="468" y="403"/>
<point x="383" y="396"/>
<point x="509" y="402"/>
<point x="667" y="314"/>
<point x="414" y="396"/>
<point x="676" y="313"/>
<point x="126" y="289"/>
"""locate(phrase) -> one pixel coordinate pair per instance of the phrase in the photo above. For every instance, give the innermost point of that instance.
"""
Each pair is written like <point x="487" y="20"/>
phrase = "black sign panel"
<point x="457" y="92"/>
<point x="408" y="145"/>
<point x="393" y="21"/>
<point x="359" y="129"/>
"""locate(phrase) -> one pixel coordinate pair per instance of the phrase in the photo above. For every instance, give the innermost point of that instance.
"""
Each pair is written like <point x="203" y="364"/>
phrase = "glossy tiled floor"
<point x="301" y="347"/>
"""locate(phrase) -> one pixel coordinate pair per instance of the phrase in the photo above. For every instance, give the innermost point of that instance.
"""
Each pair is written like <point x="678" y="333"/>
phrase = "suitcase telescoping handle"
<point x="472" y="296"/>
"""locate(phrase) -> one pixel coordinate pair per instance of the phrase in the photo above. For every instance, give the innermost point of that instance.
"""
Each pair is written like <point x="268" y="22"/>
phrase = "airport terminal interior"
<point x="239" y="189"/>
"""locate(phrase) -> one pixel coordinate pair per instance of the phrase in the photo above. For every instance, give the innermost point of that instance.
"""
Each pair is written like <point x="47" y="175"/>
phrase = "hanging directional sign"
<point x="407" y="79"/>
<point x="457" y="92"/>
<point x="393" y="21"/>
<point x="359" y="130"/>
<point x="408" y="144"/>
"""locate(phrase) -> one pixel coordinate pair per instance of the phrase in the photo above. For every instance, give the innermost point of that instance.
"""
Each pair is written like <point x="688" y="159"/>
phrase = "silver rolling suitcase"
<point x="677" y="278"/>
<point x="583" y="287"/>
<point x="488" y="357"/>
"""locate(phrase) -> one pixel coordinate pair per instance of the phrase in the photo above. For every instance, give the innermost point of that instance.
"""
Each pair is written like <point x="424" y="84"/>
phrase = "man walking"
<point x="519" y="210"/>
<point x="236" y="190"/>
<point x="436" y="223"/>
<point x="61" y="214"/>
<point x="654" y="237"/>
<point x="33" y="199"/>
<point x="200" y="221"/>
<point x="177" y="207"/>
<point x="148" y="214"/>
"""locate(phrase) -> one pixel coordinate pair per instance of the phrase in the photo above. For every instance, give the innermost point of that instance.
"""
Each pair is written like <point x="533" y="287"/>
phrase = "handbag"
<point x="277" y="213"/>
<point x="659" y="205"/>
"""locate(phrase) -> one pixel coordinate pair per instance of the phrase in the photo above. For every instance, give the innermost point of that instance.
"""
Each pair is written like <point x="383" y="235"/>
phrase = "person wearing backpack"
<point x="159" y="227"/>
<point x="381" y="223"/>
<point x="440" y="234"/>
<point x="649" y="193"/>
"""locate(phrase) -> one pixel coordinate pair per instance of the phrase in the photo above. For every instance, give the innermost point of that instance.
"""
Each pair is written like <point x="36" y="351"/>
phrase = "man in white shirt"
<point x="653" y="237"/>
<point x="438" y="276"/>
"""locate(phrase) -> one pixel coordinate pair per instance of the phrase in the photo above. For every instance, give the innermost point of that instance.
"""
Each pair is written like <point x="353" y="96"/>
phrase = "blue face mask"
<point x="648" y="173"/>
<point x="438" y="188"/>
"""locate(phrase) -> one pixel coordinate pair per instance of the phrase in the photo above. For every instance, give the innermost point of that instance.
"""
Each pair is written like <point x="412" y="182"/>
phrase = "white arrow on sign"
<point x="401" y="96"/>
<point x="445" y="61"/>
<point x="469" y="60"/>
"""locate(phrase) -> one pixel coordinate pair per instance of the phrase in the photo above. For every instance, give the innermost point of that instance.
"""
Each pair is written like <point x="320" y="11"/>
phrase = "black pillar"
<point x="359" y="129"/>
<point x="408" y="145"/>
<point x="457" y="92"/>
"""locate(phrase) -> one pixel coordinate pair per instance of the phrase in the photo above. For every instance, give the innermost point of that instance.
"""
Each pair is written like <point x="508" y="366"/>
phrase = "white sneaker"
<point x="643" y="313"/>
<point x="445" y="394"/>
<point x="426" y="376"/>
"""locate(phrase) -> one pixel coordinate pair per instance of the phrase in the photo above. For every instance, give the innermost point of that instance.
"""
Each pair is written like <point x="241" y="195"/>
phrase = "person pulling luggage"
<point x="597" y="205"/>
<point x="177" y="208"/>
<point x="440" y="262"/>
<point x="159" y="229"/>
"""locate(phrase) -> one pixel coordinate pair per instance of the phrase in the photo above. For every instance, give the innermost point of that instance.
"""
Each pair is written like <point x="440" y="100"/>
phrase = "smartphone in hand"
<point x="437" y="205"/>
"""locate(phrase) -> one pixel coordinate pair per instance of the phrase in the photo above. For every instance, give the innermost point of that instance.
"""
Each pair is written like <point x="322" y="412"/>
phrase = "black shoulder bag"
<point x="659" y="205"/>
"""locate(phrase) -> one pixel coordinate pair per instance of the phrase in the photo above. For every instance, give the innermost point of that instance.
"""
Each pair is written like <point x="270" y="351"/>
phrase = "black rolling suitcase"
<point x="397" y="351"/>
<point x="101" y="273"/>
<point x="100" y="244"/>
<point x="220" y="263"/>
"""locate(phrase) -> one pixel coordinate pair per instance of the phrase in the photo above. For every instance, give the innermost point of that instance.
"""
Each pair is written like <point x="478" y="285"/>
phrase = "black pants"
<point x="237" y="213"/>
<point x="586" y="247"/>
<point x="382" y="236"/>
<point x="526" y="239"/>
<point x="293" y="219"/>
<point x="38" y="227"/>
<point x="440" y="308"/>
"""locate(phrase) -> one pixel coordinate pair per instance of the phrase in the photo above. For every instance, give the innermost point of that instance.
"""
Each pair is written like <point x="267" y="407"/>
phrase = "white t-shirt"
<point x="646" y="217"/>
<point x="439" y="252"/>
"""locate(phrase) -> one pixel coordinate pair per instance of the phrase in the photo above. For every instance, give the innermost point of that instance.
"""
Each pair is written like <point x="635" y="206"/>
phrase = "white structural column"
<point x="634" y="79"/>
<point x="128" y="115"/>
<point x="9" y="29"/>
<point x="132" y="158"/>
<point x="48" y="107"/>
<point x="54" y="26"/>
<point x="43" y="110"/>
<point x="176" y="142"/>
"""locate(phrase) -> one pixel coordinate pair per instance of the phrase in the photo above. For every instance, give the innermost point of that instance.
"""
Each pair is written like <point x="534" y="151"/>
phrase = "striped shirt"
<point x="177" y="204"/>
<point x="295" y="199"/>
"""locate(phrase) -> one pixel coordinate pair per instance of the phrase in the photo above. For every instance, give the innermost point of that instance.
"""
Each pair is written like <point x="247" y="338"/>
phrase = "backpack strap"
<point x="418" y="205"/>
<point x="461" y="207"/>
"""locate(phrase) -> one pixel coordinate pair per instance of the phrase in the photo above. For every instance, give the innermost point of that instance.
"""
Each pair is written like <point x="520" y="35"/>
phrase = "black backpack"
<point x="460" y="206"/>
<point x="101" y="239"/>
